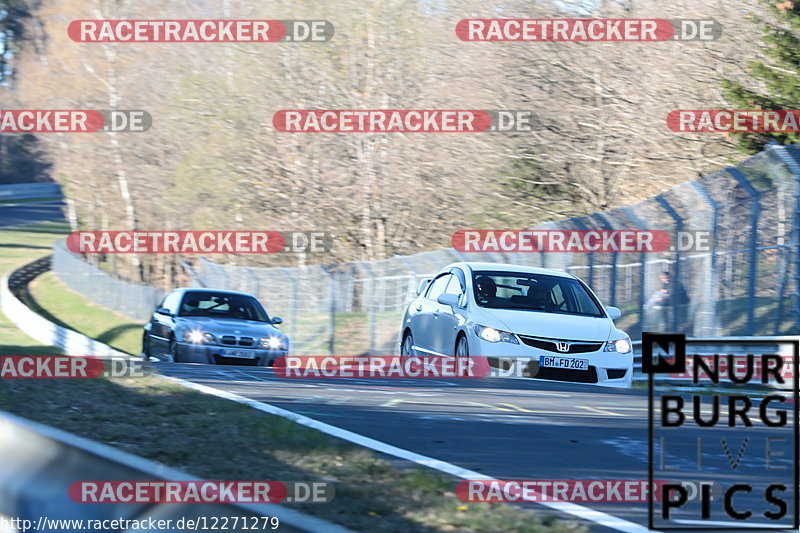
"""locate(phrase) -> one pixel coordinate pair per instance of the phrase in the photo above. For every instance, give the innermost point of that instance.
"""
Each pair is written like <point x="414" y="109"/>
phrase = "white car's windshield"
<point x="222" y="305"/>
<point x="533" y="292"/>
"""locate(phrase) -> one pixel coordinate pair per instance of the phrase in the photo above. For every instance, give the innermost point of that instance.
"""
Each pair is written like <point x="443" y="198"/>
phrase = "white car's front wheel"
<point x="407" y="346"/>
<point x="462" y="348"/>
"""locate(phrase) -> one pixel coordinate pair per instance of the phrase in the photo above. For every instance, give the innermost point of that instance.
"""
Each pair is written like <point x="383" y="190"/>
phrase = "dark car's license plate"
<point x="239" y="354"/>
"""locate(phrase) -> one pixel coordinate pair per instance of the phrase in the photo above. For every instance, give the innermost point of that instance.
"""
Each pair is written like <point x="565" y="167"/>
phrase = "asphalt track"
<point x="30" y="213"/>
<point x="522" y="429"/>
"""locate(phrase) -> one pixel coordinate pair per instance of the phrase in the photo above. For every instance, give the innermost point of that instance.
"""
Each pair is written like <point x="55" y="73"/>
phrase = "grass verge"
<point x="218" y="439"/>
<point x="60" y="304"/>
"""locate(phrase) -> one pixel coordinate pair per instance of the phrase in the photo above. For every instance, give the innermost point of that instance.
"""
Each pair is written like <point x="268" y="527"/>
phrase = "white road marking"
<point x="585" y="513"/>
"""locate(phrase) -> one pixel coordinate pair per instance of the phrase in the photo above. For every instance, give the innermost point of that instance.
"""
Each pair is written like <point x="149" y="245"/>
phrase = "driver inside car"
<point x="485" y="290"/>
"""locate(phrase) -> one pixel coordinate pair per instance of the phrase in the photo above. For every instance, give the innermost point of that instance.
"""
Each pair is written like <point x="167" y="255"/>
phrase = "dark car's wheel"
<point x="145" y="347"/>
<point x="173" y="350"/>
<point x="462" y="348"/>
<point x="407" y="346"/>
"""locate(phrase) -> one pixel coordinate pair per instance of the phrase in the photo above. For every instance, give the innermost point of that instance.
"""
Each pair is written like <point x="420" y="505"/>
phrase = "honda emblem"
<point x="562" y="346"/>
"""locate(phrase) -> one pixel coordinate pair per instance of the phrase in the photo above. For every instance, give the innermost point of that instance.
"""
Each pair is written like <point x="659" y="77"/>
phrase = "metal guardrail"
<point x="40" y="463"/>
<point x="27" y="191"/>
<point x="44" y="331"/>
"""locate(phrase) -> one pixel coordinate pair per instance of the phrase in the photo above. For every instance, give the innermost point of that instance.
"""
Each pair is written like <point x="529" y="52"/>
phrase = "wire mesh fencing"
<point x="134" y="300"/>
<point x="742" y="280"/>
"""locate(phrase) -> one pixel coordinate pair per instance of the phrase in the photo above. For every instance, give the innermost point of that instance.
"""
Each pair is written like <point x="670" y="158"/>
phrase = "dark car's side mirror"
<point x="164" y="311"/>
<point x="277" y="320"/>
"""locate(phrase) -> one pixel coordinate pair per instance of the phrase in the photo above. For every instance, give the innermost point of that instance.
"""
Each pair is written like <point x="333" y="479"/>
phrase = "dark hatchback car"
<point x="213" y="326"/>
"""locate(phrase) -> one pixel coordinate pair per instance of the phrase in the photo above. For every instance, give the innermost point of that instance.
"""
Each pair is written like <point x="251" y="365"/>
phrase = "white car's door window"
<point x="454" y="287"/>
<point x="533" y="292"/>
<point x="438" y="286"/>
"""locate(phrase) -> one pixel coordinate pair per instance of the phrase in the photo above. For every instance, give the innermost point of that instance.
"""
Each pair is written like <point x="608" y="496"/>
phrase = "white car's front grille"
<point x="561" y="345"/>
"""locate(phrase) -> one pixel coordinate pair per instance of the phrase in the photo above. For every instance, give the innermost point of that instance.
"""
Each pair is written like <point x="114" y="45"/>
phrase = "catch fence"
<point x="744" y="282"/>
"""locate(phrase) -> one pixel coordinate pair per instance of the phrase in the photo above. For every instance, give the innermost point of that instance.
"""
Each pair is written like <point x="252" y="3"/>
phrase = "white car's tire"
<point x="407" y="346"/>
<point x="462" y="347"/>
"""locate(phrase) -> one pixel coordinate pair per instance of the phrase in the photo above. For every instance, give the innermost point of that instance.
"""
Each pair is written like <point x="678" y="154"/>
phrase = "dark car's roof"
<point x="215" y="291"/>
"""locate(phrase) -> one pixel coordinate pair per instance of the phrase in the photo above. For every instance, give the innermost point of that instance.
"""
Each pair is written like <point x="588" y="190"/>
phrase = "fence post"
<point x="676" y="273"/>
<point x="584" y="227"/>
<point x="791" y="158"/>
<point x="709" y="326"/>
<point x="604" y="222"/>
<point x="331" y="311"/>
<point x="643" y="270"/>
<point x="371" y="318"/>
<point x="755" y="211"/>
<point x="255" y="281"/>
<point x="293" y="308"/>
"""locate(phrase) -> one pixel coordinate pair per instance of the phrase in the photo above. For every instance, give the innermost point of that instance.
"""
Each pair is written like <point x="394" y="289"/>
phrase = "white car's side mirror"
<point x="613" y="312"/>
<point x="448" y="299"/>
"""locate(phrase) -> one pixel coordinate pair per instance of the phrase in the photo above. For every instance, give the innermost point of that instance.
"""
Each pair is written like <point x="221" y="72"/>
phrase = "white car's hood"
<point x="553" y="325"/>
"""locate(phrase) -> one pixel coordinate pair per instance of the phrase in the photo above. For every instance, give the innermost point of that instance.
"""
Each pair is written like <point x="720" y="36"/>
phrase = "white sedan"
<point x="529" y="321"/>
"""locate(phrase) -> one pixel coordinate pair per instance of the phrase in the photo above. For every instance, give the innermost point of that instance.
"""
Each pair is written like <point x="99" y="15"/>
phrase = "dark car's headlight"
<point x="274" y="342"/>
<point x="195" y="336"/>
<point x="495" y="335"/>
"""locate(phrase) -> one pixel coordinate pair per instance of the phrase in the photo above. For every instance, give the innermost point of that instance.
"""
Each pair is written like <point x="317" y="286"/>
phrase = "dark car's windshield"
<point x="533" y="292"/>
<point x="222" y="305"/>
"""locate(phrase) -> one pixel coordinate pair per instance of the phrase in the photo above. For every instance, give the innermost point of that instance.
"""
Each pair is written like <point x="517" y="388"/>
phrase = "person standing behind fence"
<point x="670" y="301"/>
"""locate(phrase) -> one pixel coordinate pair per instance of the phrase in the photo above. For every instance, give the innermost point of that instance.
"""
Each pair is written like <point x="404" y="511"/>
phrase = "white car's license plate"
<point x="563" y="362"/>
<point x="240" y="354"/>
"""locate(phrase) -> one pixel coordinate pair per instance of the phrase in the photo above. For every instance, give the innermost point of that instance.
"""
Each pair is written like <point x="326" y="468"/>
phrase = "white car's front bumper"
<point x="610" y="369"/>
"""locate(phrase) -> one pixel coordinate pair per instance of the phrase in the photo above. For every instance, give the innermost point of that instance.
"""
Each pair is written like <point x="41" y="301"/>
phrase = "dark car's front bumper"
<point x="204" y="353"/>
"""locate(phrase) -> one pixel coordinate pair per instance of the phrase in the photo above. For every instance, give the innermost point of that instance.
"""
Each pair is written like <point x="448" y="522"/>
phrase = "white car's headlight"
<point x="619" y="346"/>
<point x="495" y="335"/>
<point x="195" y="336"/>
<point x="273" y="343"/>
